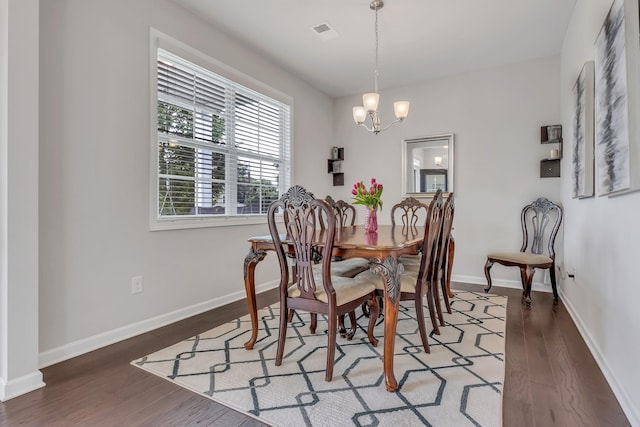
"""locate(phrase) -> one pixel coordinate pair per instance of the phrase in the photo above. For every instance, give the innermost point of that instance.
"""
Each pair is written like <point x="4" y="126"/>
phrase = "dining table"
<point x="383" y="250"/>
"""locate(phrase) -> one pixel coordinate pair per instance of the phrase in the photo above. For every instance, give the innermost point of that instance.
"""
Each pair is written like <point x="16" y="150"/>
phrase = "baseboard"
<point x="77" y="348"/>
<point x="631" y="411"/>
<point x="19" y="386"/>
<point x="500" y="283"/>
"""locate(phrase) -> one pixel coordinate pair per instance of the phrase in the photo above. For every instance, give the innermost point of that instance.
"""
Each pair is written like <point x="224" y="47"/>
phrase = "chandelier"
<point x="370" y="100"/>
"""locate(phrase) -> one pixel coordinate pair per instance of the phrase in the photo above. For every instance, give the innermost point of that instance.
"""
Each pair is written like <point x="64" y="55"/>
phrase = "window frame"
<point x="175" y="47"/>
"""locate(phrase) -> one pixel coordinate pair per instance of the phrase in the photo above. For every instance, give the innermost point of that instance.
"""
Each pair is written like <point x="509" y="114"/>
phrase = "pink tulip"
<point x="354" y="192"/>
<point x="380" y="187"/>
<point x="373" y="181"/>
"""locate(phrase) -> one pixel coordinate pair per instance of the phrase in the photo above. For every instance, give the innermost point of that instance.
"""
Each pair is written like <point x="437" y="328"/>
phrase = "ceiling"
<point x="418" y="39"/>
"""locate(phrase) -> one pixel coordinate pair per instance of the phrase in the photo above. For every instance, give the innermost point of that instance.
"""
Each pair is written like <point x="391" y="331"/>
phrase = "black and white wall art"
<point x="611" y="104"/>
<point x="582" y="144"/>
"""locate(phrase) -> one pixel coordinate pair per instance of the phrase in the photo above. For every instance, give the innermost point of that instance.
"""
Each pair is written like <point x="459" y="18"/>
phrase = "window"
<point x="223" y="150"/>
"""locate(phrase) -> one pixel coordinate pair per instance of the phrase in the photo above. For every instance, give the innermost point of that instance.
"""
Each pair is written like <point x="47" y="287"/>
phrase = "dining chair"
<point x="535" y="219"/>
<point x="411" y="213"/>
<point x="442" y="262"/>
<point x="415" y="285"/>
<point x="345" y="217"/>
<point x="308" y="290"/>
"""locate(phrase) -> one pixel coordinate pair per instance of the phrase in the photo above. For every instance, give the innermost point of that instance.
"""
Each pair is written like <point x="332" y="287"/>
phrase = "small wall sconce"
<point x="437" y="160"/>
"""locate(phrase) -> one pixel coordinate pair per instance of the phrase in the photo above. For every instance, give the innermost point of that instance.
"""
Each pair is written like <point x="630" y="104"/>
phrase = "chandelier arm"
<point x="391" y="124"/>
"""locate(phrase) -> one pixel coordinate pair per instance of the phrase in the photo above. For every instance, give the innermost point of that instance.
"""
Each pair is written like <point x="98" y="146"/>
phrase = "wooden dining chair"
<point x="415" y="285"/>
<point x="535" y="219"/>
<point x="410" y="212"/>
<point x="442" y="261"/>
<point x="308" y="290"/>
<point x="345" y="217"/>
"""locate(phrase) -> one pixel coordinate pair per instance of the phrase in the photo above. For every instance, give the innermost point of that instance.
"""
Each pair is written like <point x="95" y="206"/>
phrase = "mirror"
<point x="427" y="164"/>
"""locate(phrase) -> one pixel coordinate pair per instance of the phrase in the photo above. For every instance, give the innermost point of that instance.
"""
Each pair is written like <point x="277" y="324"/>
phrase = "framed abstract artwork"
<point x="611" y="104"/>
<point x="582" y="159"/>
<point x="617" y="100"/>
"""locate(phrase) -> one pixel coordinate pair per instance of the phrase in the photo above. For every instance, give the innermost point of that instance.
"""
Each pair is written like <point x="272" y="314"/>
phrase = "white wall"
<point x="94" y="151"/>
<point x="601" y="241"/>
<point x="496" y="116"/>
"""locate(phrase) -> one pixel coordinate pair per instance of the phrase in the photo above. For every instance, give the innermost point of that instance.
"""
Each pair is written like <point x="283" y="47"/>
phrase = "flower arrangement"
<point x="371" y="197"/>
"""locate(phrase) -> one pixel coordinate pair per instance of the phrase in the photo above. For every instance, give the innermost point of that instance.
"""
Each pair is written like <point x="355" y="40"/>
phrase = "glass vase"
<point x="371" y="220"/>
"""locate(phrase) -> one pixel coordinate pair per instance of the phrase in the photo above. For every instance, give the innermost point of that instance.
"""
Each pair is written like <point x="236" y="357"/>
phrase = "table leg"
<point x="451" y="252"/>
<point x="390" y="270"/>
<point x="250" y="262"/>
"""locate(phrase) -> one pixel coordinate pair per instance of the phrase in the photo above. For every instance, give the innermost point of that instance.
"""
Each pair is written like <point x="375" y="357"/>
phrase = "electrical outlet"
<point x="136" y="284"/>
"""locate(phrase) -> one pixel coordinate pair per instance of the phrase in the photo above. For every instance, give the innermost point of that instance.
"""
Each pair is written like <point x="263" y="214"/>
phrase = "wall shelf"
<point x="550" y="167"/>
<point x="334" y="166"/>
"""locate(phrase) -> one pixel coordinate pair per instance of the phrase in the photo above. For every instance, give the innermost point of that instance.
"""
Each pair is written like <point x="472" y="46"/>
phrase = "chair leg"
<point x="436" y="301"/>
<point x="341" y="328"/>
<point x="527" y="279"/>
<point x="487" y="273"/>
<point x="290" y="316"/>
<point x="422" y="327"/>
<point x="314" y="323"/>
<point x="365" y="309"/>
<point x="445" y="293"/>
<point x="432" y="310"/>
<point x="374" y="309"/>
<point x="344" y="333"/>
<point x="331" y="346"/>
<point x="552" y="275"/>
<point x="282" y="334"/>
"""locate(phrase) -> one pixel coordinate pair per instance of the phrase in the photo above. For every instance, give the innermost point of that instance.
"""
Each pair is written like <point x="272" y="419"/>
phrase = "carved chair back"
<point x="447" y="223"/>
<point x="345" y="213"/>
<point x="411" y="212"/>
<point x="432" y="231"/>
<point x="301" y="226"/>
<point x="540" y="224"/>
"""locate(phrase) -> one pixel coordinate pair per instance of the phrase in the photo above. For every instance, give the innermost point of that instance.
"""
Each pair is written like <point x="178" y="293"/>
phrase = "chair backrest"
<point x="432" y="231"/>
<point x="411" y="212"/>
<point x="300" y="225"/>
<point x="536" y="219"/>
<point x="345" y="213"/>
<point x="445" y="236"/>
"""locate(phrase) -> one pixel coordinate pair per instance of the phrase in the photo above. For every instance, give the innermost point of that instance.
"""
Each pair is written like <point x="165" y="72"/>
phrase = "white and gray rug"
<point x="458" y="384"/>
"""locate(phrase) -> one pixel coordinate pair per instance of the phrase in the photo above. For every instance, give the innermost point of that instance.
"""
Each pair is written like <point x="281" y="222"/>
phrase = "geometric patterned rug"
<point x="458" y="384"/>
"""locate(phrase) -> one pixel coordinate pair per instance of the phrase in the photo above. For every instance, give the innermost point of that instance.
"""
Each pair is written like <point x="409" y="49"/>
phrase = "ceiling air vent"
<point x="324" y="31"/>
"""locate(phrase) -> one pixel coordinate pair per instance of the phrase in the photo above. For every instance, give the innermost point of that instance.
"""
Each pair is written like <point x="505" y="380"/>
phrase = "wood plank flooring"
<point x="551" y="378"/>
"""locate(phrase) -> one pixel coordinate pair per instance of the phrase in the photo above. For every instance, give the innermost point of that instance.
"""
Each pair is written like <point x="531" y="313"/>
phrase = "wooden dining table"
<point x="383" y="249"/>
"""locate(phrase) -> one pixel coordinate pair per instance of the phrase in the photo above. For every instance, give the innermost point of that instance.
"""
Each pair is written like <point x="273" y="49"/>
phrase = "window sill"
<point x="187" y="223"/>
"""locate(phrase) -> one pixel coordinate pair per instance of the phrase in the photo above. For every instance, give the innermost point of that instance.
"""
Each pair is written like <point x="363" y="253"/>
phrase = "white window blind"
<point x="223" y="149"/>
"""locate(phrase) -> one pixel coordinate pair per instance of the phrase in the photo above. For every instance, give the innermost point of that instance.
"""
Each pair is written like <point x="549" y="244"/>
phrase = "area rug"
<point x="458" y="384"/>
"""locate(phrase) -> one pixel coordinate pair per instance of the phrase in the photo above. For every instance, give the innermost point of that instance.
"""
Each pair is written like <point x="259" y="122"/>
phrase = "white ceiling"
<point x="419" y="39"/>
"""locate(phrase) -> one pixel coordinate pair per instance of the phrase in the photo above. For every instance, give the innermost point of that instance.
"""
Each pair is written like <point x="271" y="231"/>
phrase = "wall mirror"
<point x="427" y="164"/>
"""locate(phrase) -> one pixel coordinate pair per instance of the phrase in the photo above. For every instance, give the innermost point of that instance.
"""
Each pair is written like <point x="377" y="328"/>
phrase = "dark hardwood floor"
<point x="551" y="378"/>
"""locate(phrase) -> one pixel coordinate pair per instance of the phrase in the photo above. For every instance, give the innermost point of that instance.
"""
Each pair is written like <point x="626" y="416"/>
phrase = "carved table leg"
<point x="452" y="250"/>
<point x="250" y="262"/>
<point x="390" y="270"/>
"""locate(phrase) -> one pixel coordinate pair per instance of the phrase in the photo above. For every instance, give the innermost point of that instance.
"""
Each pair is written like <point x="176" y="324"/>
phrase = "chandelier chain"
<point x="375" y="73"/>
<point x="370" y="100"/>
